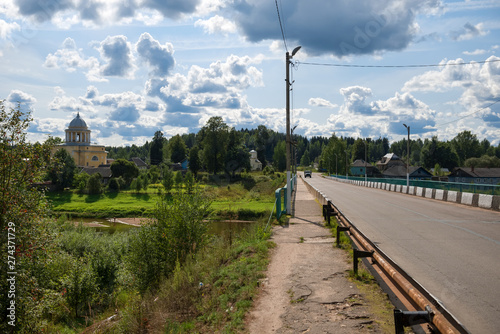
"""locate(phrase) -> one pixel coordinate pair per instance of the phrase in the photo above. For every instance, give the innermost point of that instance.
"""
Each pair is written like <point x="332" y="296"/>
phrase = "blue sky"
<point x="137" y="66"/>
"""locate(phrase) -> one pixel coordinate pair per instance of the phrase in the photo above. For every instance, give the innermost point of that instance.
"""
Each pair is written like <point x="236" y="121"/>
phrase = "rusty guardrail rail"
<point x="426" y="307"/>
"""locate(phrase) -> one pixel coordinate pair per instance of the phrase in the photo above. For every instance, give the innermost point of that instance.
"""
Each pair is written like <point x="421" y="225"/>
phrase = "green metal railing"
<point x="489" y="189"/>
<point x="281" y="193"/>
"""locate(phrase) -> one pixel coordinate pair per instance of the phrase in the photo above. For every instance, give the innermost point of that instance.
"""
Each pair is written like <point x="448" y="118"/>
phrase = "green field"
<point x="235" y="201"/>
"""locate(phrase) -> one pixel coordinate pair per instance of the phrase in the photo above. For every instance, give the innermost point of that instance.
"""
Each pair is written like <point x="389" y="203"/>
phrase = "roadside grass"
<point x="378" y="301"/>
<point x="210" y="293"/>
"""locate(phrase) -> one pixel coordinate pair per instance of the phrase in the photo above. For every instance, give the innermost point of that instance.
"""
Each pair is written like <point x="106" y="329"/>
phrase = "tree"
<point x="194" y="160"/>
<point x="333" y="155"/>
<point x="178" y="179"/>
<point x="81" y="180"/>
<point x="189" y="181"/>
<point x="279" y="156"/>
<point x="467" y="146"/>
<point x="62" y="169"/>
<point x="358" y="150"/>
<point x="177" y="149"/>
<point x="156" y="151"/>
<point x="22" y="210"/>
<point x="214" y="140"/>
<point x="261" y="139"/>
<point x="126" y="169"/>
<point x="94" y="184"/>
<point x="442" y="153"/>
<point x="485" y="161"/>
<point x="237" y="155"/>
<point x="168" y="179"/>
<point x="305" y="161"/>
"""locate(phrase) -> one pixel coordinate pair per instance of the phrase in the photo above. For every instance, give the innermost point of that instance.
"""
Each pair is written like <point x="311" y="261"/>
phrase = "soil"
<point x="306" y="289"/>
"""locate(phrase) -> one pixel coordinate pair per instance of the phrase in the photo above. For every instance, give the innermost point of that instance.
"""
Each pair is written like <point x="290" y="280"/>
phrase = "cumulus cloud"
<point x="6" y="29"/>
<point x="476" y="52"/>
<point x="341" y="28"/>
<point x="159" y="57"/>
<point x="217" y="24"/>
<point x="43" y="10"/>
<point x="118" y="52"/>
<point x="479" y="83"/>
<point x="320" y="102"/>
<point x="18" y="96"/>
<point x="355" y="97"/>
<point x="468" y="31"/>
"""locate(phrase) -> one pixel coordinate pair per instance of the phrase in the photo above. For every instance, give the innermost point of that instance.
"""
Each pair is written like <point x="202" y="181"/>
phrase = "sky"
<point x="133" y="67"/>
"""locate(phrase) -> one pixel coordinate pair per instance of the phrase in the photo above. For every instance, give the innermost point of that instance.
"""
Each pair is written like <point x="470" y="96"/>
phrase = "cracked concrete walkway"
<point x="306" y="289"/>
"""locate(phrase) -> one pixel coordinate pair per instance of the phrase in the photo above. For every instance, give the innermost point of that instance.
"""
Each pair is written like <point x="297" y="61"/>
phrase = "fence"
<point x="474" y="188"/>
<point x="281" y="193"/>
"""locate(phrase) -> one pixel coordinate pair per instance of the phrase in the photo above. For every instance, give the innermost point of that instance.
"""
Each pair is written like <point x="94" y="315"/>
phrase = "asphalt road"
<point x="450" y="249"/>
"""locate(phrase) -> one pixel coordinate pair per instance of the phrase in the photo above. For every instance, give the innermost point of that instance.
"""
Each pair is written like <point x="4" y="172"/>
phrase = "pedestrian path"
<point x="306" y="289"/>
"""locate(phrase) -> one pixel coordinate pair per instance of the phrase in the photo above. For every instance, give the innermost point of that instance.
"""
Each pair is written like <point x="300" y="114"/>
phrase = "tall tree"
<point x="442" y="153"/>
<point x="237" y="156"/>
<point x="62" y="169"/>
<point x="261" y="139"/>
<point x="467" y="146"/>
<point x="127" y="169"/>
<point x="156" y="151"/>
<point x="194" y="160"/>
<point x="177" y="148"/>
<point x="333" y="156"/>
<point x="214" y="140"/>
<point x="279" y="156"/>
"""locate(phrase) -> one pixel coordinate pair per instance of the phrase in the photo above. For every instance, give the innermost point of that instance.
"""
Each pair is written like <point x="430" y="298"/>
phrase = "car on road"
<point x="307" y="173"/>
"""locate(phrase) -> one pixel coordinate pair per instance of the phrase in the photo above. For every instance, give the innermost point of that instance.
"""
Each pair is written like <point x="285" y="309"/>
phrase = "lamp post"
<point x="288" y="142"/>
<point x="346" y="166"/>
<point x="336" y="170"/>
<point x="365" y="159"/>
<point x="408" y="157"/>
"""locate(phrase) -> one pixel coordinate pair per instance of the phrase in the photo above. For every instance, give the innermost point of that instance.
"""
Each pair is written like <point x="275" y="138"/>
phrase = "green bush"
<point x="179" y="229"/>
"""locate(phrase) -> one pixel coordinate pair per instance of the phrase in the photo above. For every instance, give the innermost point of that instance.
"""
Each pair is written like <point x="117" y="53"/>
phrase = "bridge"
<point x="450" y="249"/>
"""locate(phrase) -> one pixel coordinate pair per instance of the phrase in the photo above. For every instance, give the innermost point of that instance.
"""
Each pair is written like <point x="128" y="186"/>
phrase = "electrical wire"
<point x="281" y="25"/>
<point x="472" y="113"/>
<point x="400" y="66"/>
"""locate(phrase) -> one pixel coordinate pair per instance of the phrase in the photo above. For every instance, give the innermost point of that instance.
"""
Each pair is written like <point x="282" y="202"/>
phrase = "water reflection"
<point x="224" y="228"/>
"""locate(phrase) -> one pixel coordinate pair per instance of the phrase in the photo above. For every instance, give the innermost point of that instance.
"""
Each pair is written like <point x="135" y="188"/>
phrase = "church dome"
<point x="77" y="122"/>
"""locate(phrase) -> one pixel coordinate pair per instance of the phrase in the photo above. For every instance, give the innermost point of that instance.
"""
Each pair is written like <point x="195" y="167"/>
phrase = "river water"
<point x="225" y="228"/>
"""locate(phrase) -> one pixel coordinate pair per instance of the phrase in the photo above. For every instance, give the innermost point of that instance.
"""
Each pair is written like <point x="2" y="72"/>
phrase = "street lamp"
<point x="408" y="157"/>
<point x="365" y="160"/>
<point x="346" y="166"/>
<point x="288" y="156"/>
<point x="336" y="170"/>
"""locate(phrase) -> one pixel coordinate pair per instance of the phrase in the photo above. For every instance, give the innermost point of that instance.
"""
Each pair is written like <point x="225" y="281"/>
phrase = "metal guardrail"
<point x="282" y="193"/>
<point x="475" y="188"/>
<point x="440" y="318"/>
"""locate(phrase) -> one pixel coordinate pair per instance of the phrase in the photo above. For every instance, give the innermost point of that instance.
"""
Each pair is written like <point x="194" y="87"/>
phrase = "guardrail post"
<point x="359" y="254"/>
<point x="410" y="318"/>
<point x="341" y="229"/>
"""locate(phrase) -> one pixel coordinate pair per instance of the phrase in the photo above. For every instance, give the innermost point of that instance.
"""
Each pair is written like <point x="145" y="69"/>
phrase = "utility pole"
<point x="288" y="141"/>
<point x="408" y="157"/>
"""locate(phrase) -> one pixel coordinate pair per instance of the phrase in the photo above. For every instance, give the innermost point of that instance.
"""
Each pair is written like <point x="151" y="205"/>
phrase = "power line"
<point x="472" y="113"/>
<point x="281" y="25"/>
<point x="400" y="66"/>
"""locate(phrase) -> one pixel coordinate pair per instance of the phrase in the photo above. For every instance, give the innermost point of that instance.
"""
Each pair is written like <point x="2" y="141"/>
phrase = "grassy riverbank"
<point x="252" y="197"/>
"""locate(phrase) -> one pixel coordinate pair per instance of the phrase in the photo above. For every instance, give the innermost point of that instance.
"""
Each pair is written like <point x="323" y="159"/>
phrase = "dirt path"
<point x="306" y="289"/>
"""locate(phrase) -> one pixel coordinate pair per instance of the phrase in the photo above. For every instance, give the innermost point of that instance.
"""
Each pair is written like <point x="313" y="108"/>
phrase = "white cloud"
<point x="469" y="31"/>
<point x="320" y="102"/>
<point x="217" y="24"/>
<point x="118" y="52"/>
<point x="476" y="52"/>
<point x="7" y="28"/>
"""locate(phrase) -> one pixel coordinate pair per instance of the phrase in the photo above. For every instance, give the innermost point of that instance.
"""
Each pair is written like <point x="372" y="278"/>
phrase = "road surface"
<point x="450" y="249"/>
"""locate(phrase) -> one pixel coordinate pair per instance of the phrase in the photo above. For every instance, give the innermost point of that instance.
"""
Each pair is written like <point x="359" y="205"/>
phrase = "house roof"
<point x="360" y="163"/>
<point x="389" y="157"/>
<point x="138" y="162"/>
<point x="398" y="170"/>
<point x="104" y="171"/>
<point x="476" y="172"/>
